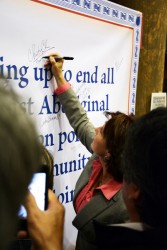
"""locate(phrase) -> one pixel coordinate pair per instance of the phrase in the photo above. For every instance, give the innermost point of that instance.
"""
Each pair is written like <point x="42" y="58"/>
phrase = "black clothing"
<point x="124" y="238"/>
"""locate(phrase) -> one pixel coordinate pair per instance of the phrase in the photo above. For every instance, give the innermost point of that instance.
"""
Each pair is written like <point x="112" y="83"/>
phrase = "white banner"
<point x="104" y="39"/>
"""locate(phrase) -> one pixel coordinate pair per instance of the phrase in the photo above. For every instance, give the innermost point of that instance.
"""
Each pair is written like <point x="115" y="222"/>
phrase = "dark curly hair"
<point x="114" y="132"/>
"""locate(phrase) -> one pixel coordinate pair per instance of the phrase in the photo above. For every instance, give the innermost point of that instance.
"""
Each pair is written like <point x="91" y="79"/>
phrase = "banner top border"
<point x="100" y="9"/>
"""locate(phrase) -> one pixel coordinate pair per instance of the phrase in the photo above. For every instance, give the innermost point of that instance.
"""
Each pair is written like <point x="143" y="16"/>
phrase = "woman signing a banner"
<point x="98" y="190"/>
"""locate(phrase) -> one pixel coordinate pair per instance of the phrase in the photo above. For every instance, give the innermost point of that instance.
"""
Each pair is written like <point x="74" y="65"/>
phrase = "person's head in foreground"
<point x="145" y="169"/>
<point x="20" y="154"/>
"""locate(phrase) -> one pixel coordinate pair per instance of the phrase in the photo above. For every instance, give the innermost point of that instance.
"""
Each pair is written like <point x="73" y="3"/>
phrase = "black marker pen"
<point x="59" y="57"/>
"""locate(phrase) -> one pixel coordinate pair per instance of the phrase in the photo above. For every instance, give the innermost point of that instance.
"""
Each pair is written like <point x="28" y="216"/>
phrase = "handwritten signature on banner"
<point x="118" y="64"/>
<point x="83" y="91"/>
<point x="50" y="119"/>
<point x="36" y="51"/>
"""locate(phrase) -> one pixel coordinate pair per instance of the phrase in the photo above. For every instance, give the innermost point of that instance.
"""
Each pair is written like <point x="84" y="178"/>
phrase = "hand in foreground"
<point x="56" y="66"/>
<point x="45" y="228"/>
